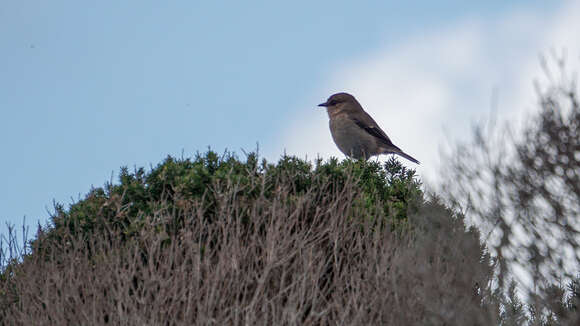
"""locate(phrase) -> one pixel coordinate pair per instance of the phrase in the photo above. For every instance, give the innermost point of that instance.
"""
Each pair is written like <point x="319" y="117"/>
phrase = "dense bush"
<point x="218" y="240"/>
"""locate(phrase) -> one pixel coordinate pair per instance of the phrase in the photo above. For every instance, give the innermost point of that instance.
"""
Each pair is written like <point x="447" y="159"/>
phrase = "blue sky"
<point x="86" y="88"/>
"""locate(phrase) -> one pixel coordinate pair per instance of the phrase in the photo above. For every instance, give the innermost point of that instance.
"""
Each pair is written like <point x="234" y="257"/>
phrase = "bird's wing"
<point x="372" y="128"/>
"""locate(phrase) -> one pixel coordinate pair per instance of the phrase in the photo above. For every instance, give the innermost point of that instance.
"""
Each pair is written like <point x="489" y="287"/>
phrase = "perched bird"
<point x="355" y="133"/>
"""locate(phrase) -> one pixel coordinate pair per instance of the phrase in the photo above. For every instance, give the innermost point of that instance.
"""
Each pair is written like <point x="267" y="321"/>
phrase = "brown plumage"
<point x="355" y="132"/>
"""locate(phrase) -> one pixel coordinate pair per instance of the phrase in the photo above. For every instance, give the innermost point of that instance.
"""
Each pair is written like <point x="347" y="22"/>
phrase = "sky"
<point x="86" y="88"/>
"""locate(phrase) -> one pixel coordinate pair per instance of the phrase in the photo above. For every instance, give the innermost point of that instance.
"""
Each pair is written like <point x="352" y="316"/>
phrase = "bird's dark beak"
<point x="323" y="104"/>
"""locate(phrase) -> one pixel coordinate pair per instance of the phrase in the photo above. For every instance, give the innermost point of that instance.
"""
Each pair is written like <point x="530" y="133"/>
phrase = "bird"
<point x="355" y="132"/>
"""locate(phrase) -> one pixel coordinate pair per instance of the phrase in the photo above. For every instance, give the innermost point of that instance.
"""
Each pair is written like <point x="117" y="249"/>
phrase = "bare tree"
<point x="522" y="188"/>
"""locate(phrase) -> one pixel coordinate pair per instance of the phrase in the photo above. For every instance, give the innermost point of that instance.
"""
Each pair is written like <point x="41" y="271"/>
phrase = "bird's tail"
<point x="396" y="150"/>
<point x="407" y="156"/>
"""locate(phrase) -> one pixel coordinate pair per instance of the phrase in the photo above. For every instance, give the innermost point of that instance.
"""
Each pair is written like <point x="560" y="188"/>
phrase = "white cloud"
<point x="435" y="85"/>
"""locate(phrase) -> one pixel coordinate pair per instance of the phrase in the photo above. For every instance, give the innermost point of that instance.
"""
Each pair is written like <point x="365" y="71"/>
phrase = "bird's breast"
<point x="352" y="140"/>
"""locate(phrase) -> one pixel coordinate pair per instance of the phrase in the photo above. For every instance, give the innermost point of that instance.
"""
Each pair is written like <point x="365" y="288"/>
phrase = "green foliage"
<point x="191" y="215"/>
<point x="176" y="185"/>
<point x="330" y="237"/>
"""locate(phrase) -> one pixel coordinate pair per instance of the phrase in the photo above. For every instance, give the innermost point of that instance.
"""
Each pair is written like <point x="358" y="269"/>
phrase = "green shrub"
<point x="219" y="240"/>
<point x="177" y="184"/>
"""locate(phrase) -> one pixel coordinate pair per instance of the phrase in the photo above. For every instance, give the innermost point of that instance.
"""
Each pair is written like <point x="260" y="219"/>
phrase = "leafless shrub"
<point x="522" y="188"/>
<point x="289" y="263"/>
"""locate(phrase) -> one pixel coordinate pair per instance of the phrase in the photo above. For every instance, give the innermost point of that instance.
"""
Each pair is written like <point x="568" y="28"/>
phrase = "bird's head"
<point x="339" y="102"/>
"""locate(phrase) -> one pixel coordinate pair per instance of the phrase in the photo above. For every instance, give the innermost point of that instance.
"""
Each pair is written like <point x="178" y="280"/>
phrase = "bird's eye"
<point x="332" y="102"/>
